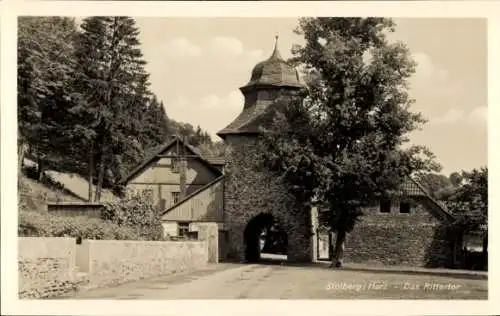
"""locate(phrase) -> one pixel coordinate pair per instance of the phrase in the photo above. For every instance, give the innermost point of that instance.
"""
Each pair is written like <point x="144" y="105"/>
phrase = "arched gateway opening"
<point x="270" y="80"/>
<point x="265" y="239"/>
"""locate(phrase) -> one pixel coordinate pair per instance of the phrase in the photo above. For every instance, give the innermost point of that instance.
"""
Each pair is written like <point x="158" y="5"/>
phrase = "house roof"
<point x="254" y="117"/>
<point x="248" y="122"/>
<point x="411" y="187"/>
<point x="152" y="156"/>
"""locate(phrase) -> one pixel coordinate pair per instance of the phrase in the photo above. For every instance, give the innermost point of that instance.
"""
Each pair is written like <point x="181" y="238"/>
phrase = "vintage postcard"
<point x="328" y="157"/>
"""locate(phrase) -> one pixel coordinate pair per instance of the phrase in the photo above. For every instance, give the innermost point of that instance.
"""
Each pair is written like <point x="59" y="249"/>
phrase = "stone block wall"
<point x="115" y="262"/>
<point x="46" y="267"/>
<point x="249" y="192"/>
<point x="415" y="239"/>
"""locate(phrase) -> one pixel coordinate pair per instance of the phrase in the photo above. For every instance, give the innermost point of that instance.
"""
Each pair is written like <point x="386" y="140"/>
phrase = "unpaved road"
<point x="239" y="281"/>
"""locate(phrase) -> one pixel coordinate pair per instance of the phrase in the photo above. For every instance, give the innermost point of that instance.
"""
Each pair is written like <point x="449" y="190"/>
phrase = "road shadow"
<point x="325" y="265"/>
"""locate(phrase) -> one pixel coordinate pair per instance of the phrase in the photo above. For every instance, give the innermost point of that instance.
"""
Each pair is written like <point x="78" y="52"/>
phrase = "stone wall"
<point x="115" y="262"/>
<point x="46" y="267"/>
<point x="51" y="267"/>
<point x="209" y="233"/>
<point x="415" y="239"/>
<point x="249" y="192"/>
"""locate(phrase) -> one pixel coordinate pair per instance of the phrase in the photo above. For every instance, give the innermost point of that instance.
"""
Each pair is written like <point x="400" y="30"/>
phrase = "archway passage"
<point x="265" y="239"/>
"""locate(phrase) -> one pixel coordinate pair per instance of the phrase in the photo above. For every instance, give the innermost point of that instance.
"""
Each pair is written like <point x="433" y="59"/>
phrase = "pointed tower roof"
<point x="276" y="53"/>
<point x="274" y="71"/>
<point x="272" y="74"/>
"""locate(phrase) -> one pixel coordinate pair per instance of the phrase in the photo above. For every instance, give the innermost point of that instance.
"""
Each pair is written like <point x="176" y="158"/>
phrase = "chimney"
<point x="182" y="170"/>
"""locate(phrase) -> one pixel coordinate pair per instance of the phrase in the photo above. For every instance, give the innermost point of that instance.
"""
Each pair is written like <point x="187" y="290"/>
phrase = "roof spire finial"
<point x="276" y="53"/>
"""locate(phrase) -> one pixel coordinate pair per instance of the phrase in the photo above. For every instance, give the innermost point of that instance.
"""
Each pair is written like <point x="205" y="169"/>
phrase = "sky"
<point x="198" y="64"/>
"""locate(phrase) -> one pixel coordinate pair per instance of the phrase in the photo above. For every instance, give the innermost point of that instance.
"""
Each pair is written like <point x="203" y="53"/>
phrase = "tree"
<point x="438" y="186"/>
<point x="469" y="203"/>
<point x="341" y="144"/>
<point x="115" y="88"/>
<point x="155" y="124"/>
<point x="212" y="149"/>
<point x="45" y="73"/>
<point x="84" y="99"/>
<point x="456" y="179"/>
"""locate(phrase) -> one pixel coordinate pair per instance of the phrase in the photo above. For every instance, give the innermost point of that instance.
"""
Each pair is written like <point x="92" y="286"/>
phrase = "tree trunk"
<point x="338" y="253"/>
<point x="485" y="252"/>
<point x="21" y="152"/>
<point x="100" y="178"/>
<point x="91" y="170"/>
<point x="40" y="169"/>
<point x="331" y="249"/>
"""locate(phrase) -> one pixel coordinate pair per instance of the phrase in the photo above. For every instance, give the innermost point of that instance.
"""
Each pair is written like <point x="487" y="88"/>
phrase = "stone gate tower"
<point x="252" y="195"/>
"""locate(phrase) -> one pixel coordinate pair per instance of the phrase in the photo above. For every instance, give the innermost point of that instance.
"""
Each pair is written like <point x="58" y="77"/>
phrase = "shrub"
<point x="37" y="224"/>
<point x="135" y="210"/>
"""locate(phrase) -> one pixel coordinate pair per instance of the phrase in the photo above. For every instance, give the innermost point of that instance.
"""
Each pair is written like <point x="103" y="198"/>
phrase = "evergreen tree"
<point x="84" y="99"/>
<point x="212" y="149"/>
<point x="45" y="90"/>
<point x="114" y="84"/>
<point x="155" y="124"/>
<point x="161" y="123"/>
<point x="198" y="137"/>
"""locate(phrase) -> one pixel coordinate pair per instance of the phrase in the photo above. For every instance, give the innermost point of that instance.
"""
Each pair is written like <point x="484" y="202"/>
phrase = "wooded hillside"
<point x="84" y="102"/>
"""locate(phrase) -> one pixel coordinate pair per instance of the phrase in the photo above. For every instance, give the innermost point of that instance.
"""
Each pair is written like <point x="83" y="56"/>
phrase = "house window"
<point x="175" y="165"/>
<point x="385" y="206"/>
<point x="404" y="207"/>
<point x="183" y="229"/>
<point x="176" y="197"/>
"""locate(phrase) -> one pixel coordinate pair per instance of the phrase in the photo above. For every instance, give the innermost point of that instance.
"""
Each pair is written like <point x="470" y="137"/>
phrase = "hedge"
<point x="135" y="210"/>
<point x="37" y="224"/>
<point x="132" y="218"/>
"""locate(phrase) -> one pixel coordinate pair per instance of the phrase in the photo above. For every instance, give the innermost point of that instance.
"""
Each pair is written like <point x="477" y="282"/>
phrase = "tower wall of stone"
<point x="249" y="192"/>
